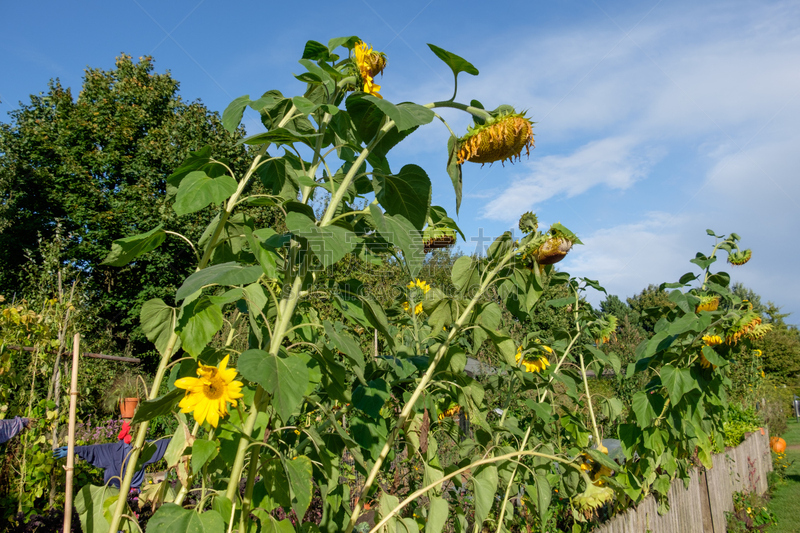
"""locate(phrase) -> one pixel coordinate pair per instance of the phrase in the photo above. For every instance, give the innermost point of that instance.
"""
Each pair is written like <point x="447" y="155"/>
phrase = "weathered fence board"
<point x="700" y="507"/>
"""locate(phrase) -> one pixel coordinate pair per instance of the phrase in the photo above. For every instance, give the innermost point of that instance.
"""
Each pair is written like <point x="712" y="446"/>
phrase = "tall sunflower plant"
<point x="268" y="435"/>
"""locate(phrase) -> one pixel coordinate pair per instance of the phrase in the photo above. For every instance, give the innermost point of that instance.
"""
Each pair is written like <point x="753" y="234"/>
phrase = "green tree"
<point x="96" y="167"/>
<point x="648" y="305"/>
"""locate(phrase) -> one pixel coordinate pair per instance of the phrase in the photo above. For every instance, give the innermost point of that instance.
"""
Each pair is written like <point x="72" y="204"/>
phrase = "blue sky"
<point x="655" y="120"/>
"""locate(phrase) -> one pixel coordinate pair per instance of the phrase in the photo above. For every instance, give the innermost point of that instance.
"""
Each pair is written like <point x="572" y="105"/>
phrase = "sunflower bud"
<point x="499" y="139"/>
<point x="740" y="257"/>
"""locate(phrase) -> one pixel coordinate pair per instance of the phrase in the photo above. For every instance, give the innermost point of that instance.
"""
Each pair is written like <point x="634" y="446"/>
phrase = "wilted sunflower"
<point x="746" y="324"/>
<point x="707" y="303"/>
<point x="370" y="64"/>
<point x="207" y="396"/>
<point x="553" y="251"/>
<point x="739" y="257"/>
<point x="499" y="139"/>
<point x="437" y="238"/>
<point x="604" y="329"/>
<point x="758" y="332"/>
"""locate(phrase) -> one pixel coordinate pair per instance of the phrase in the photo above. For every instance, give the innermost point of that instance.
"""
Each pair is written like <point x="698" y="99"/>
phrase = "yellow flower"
<point x="499" y="139"/>
<point x="420" y="284"/>
<point x="535" y="364"/>
<point x="705" y="363"/>
<point x="370" y="64"/>
<point x="707" y="303"/>
<point x="712" y="340"/>
<point x="757" y="353"/>
<point x="417" y="308"/>
<point x="207" y="396"/>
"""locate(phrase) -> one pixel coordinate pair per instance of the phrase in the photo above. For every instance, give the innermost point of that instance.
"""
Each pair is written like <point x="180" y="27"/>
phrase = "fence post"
<point x="705" y="501"/>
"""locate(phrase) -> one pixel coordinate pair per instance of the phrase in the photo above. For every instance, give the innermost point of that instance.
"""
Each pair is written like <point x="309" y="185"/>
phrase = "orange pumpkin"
<point x="778" y="445"/>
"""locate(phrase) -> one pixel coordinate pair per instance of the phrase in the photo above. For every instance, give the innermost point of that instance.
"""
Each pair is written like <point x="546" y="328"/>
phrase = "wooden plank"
<point x="86" y="354"/>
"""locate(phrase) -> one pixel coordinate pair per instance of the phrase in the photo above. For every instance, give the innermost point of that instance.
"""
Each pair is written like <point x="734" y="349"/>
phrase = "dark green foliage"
<point x="97" y="166"/>
<point x="647" y="305"/>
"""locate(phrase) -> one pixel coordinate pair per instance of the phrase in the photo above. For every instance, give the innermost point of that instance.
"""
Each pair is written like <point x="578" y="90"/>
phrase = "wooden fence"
<point x="701" y="507"/>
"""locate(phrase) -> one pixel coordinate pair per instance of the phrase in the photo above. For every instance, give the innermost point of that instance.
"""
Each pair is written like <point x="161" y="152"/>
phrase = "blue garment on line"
<point x="10" y="428"/>
<point x="112" y="456"/>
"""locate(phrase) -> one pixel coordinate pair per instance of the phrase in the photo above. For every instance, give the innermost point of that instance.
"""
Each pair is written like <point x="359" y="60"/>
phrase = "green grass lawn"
<point x="785" y="502"/>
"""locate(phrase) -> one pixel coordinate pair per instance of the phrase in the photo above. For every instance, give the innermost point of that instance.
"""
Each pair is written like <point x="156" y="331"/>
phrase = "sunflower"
<point x="417" y="308"/>
<point x="712" y="340"/>
<point x="707" y="303"/>
<point x="370" y="64"/>
<point x="207" y="395"/>
<point x="705" y="363"/>
<point x="420" y="284"/>
<point x="434" y="238"/>
<point x="499" y="139"/>
<point x="744" y="326"/>
<point x="536" y="363"/>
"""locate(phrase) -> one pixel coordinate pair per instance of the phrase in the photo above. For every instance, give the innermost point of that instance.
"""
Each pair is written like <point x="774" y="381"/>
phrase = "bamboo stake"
<point x="73" y="404"/>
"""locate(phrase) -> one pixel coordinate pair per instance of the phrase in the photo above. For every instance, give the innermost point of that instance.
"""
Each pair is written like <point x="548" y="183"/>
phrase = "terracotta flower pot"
<point x="127" y="407"/>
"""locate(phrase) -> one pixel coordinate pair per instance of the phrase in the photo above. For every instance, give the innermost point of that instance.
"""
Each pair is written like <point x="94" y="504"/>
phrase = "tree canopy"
<point x="95" y="168"/>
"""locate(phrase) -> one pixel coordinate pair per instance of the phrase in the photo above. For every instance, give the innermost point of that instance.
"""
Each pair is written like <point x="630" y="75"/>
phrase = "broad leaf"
<point x="174" y="518"/>
<point x="285" y="379"/>
<point x="123" y="251"/>
<point x="158" y="321"/>
<point x="164" y="405"/>
<point x="398" y="231"/>
<point x="232" y="115"/>
<point x="329" y="244"/>
<point x="407" y="194"/>
<point x="300" y="472"/>
<point x="456" y="63"/>
<point x="677" y="381"/>
<point x="202" y="452"/>
<point x="197" y="190"/>
<point x="231" y="273"/>
<point x="484" y="483"/>
<point x="199" y="322"/>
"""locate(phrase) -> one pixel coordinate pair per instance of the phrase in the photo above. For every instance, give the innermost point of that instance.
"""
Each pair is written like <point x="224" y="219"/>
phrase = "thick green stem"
<point x="598" y="440"/>
<point x="288" y="303"/>
<point x="141" y="433"/>
<point x="426" y="378"/>
<point x="451" y="475"/>
<point x="475" y="111"/>
<point x="336" y="197"/>
<point x="247" y="500"/>
<point x="510" y="482"/>
<point x="312" y="172"/>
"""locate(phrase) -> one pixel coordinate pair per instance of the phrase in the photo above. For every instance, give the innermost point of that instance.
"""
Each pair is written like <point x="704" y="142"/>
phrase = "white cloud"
<point x="615" y="162"/>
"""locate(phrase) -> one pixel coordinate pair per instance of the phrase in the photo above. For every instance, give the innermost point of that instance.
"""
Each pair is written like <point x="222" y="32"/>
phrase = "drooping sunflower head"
<point x="758" y="332"/>
<point x="500" y="138"/>
<point x="437" y="238"/>
<point x="604" y="329"/>
<point x="370" y="64"/>
<point x="743" y="326"/>
<point x="593" y="498"/>
<point x="207" y="396"/>
<point x="707" y="303"/>
<point x="739" y="257"/>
